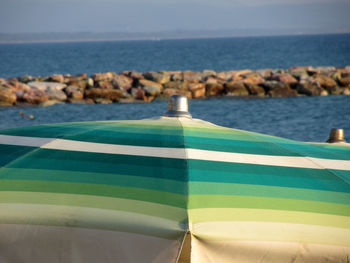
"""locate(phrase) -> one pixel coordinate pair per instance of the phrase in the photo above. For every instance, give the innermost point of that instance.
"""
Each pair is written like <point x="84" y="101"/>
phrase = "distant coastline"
<point x="65" y="37"/>
<point x="132" y="86"/>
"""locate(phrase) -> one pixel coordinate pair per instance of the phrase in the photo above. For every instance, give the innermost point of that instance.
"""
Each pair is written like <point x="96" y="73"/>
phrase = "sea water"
<point x="301" y="118"/>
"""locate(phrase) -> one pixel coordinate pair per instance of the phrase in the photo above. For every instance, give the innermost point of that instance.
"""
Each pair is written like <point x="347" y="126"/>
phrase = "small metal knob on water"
<point x="178" y="107"/>
<point x="336" y="135"/>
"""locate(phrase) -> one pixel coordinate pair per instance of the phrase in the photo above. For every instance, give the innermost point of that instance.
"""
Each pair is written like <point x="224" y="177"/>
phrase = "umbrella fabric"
<point x="129" y="191"/>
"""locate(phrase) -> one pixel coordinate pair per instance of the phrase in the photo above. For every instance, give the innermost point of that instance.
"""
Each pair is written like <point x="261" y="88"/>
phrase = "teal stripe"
<point x="123" y="138"/>
<point x="320" y="151"/>
<point x="237" y="146"/>
<point x="317" y="179"/>
<point x="165" y="168"/>
<point x="9" y="153"/>
<point x="116" y="179"/>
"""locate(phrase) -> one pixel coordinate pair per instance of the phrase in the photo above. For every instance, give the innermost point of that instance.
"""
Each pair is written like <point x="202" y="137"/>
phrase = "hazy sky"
<point x="159" y="15"/>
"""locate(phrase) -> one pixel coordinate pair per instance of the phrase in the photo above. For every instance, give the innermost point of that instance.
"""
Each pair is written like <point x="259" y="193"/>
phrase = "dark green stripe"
<point x="174" y="169"/>
<point x="123" y="138"/>
<point x="9" y="153"/>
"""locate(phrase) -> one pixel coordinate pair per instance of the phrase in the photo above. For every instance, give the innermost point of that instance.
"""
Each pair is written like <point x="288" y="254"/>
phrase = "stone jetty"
<point x="132" y="86"/>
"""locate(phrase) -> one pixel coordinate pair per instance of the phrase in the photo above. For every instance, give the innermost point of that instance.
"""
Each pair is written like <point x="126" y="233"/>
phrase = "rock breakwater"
<point x="132" y="86"/>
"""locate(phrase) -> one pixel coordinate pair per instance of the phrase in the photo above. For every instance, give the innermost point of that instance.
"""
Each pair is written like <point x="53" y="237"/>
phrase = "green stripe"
<point x="151" y="183"/>
<point x="100" y="202"/>
<point x="153" y="196"/>
<point x="212" y="188"/>
<point x="224" y="201"/>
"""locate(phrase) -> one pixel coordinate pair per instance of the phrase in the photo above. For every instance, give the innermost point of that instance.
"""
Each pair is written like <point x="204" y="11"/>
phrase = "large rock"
<point x="345" y="81"/>
<point x="274" y="84"/>
<point x="265" y="73"/>
<point x="236" y="88"/>
<point x="68" y="79"/>
<point x="282" y="92"/>
<point x="74" y="92"/>
<point x="169" y="92"/>
<point x="253" y="78"/>
<point x="175" y="85"/>
<point x="192" y="77"/>
<point x="44" y="86"/>
<point x="110" y="94"/>
<point x="57" y="95"/>
<point x="310" y="89"/>
<point x="122" y="82"/>
<point x="82" y="84"/>
<point x="244" y="72"/>
<point x="255" y="90"/>
<point x="325" y="81"/>
<point x="285" y="78"/>
<point x="334" y="90"/>
<point x="57" y="78"/>
<point x="326" y="70"/>
<point x="176" y="76"/>
<point x="104" y="76"/>
<point x="214" y="89"/>
<point x="104" y="84"/>
<point x="33" y="96"/>
<point x="226" y="75"/>
<point x="159" y="77"/>
<point x="7" y="97"/>
<point x="138" y="94"/>
<point x="298" y="72"/>
<point x="152" y="88"/>
<point x="197" y="90"/>
<point x="208" y="74"/>
<point x="133" y="74"/>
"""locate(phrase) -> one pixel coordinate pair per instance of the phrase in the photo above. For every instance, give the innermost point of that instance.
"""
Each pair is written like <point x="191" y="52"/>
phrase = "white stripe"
<point x="60" y="144"/>
<point x="181" y="153"/>
<point x="24" y="141"/>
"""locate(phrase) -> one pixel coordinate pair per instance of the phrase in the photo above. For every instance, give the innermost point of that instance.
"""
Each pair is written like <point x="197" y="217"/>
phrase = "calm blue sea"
<point x="186" y="54"/>
<point x="302" y="118"/>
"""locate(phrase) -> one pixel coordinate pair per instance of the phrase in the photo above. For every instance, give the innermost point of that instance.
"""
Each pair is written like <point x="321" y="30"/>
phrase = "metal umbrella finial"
<point x="336" y="135"/>
<point x="178" y="107"/>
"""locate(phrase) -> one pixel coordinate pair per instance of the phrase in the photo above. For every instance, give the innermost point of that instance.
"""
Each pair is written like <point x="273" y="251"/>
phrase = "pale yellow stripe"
<point x="82" y="217"/>
<point x="228" y="251"/>
<point x="265" y="231"/>
<point x="266" y="215"/>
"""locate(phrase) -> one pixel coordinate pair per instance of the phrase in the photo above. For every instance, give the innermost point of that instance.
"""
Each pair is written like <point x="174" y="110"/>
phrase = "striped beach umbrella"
<point x="170" y="189"/>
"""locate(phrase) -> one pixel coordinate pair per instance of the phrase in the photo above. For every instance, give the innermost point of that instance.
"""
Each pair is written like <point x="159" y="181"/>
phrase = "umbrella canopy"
<point x="170" y="189"/>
